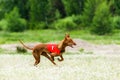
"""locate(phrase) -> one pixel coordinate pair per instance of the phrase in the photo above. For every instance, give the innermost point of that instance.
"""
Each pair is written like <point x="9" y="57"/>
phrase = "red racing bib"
<point x="53" y="48"/>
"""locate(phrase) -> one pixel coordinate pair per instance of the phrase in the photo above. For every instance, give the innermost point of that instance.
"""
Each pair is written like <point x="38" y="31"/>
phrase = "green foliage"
<point x="5" y="6"/>
<point x="57" y="15"/>
<point x="41" y="25"/>
<point x="65" y="24"/>
<point x="38" y="12"/>
<point x="101" y="21"/>
<point x="23" y="6"/>
<point x="74" y="6"/>
<point x="116" y="22"/>
<point x="58" y="4"/>
<point x="62" y="14"/>
<point x="88" y="13"/>
<point x="78" y="20"/>
<point x="3" y="24"/>
<point x="0" y="28"/>
<point x="15" y="23"/>
<point x="116" y="6"/>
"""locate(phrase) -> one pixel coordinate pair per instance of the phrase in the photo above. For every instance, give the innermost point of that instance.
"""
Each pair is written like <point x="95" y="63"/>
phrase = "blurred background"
<point x="30" y="20"/>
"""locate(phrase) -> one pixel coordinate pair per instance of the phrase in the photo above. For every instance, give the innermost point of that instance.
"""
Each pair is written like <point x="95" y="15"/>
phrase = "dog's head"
<point x="68" y="41"/>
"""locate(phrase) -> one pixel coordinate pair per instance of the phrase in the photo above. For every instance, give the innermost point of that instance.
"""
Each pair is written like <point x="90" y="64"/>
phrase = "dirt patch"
<point x="81" y="44"/>
<point x="97" y="49"/>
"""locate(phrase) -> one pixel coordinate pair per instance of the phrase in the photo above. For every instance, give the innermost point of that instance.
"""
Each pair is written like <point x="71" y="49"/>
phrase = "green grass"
<point x="31" y="36"/>
<point x="96" y="39"/>
<point x="54" y="35"/>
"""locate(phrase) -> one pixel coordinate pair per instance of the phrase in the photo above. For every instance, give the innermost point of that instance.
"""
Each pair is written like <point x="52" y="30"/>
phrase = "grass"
<point x="53" y="35"/>
<point x="30" y="36"/>
<point x="96" y="39"/>
<point x="74" y="67"/>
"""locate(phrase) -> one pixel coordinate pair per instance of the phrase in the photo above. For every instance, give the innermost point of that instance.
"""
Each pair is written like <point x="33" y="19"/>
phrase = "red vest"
<point x="53" y="48"/>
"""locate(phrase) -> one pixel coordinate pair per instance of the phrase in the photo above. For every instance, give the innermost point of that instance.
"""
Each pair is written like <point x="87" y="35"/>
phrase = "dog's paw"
<point x="60" y="59"/>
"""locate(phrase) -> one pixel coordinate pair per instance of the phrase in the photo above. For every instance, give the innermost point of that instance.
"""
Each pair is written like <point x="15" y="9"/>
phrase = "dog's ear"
<point x="67" y="35"/>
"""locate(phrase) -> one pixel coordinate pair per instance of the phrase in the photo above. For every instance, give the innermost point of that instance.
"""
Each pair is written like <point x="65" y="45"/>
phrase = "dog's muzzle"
<point x="71" y="45"/>
<point x="74" y="43"/>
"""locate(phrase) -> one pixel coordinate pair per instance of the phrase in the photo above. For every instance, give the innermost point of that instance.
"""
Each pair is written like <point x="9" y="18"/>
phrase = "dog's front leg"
<point x="52" y="57"/>
<point x="61" y="58"/>
<point x="46" y="55"/>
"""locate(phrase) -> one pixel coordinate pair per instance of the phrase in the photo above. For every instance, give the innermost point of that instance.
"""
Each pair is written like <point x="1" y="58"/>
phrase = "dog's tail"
<point x="25" y="45"/>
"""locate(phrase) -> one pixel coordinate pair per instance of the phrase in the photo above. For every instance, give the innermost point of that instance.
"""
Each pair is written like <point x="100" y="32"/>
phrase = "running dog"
<point x="50" y="50"/>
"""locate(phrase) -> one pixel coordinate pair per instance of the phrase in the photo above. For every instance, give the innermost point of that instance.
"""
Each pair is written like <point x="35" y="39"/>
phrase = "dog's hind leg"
<point x="46" y="55"/>
<point x="37" y="58"/>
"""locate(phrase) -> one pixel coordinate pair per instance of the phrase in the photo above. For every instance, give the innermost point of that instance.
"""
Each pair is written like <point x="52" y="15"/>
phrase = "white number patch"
<point x="52" y="47"/>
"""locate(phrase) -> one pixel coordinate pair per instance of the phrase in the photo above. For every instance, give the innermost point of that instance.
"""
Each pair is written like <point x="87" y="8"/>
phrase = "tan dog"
<point x="51" y="50"/>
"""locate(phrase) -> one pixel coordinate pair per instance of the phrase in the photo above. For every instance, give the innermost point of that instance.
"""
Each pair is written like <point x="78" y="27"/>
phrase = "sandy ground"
<point x="81" y="44"/>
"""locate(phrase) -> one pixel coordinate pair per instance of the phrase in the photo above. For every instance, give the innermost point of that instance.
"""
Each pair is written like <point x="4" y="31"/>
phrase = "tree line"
<point x="99" y="16"/>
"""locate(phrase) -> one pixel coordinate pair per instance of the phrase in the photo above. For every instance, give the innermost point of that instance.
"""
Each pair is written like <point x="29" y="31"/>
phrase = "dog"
<point x="50" y="50"/>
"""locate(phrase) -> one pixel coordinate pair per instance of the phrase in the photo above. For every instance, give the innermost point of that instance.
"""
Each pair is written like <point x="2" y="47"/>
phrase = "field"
<point x="74" y="67"/>
<point x="93" y="58"/>
<point x="45" y="36"/>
